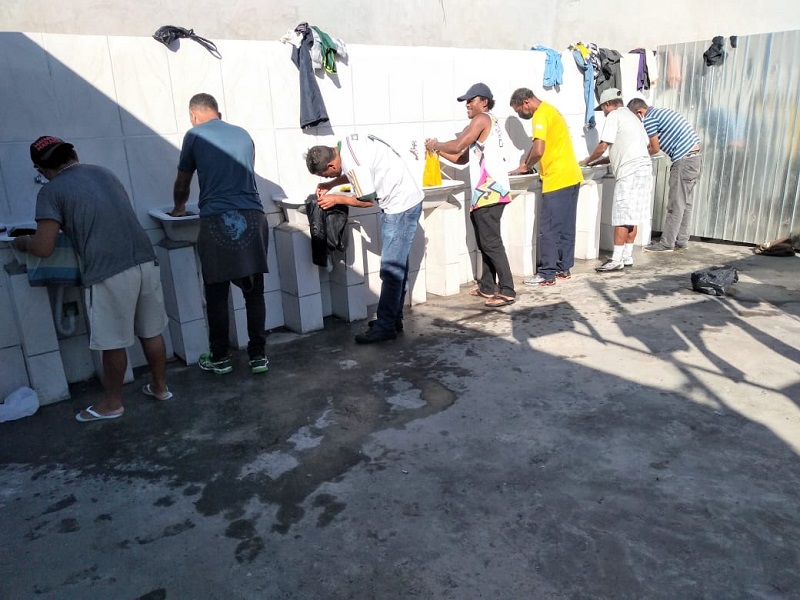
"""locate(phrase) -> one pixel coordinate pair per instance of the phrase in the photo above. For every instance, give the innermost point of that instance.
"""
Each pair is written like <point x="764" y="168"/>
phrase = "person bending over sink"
<point x="124" y="298"/>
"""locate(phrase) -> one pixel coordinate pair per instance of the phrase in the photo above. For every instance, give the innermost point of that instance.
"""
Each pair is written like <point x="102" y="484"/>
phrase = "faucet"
<point x="414" y="150"/>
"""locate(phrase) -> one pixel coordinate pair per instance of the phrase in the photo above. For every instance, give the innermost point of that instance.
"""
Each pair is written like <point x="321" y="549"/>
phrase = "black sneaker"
<point x="220" y="367"/>
<point x="371" y="336"/>
<point x="563" y="274"/>
<point x="398" y="325"/>
<point x="259" y="364"/>
<point x="679" y="247"/>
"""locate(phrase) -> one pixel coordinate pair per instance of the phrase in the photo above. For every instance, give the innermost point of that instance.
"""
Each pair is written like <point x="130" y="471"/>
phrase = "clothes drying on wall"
<point x="715" y="55"/>
<point x="581" y="55"/>
<point x="610" y="75"/>
<point x="647" y="71"/>
<point x="553" y="68"/>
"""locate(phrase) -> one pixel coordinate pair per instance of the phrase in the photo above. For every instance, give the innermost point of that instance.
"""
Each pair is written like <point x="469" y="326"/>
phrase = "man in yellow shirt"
<point x="561" y="178"/>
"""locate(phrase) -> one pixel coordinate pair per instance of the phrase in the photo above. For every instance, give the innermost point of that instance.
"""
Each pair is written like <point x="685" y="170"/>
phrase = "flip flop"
<point x="96" y="416"/>
<point x="497" y="301"/>
<point x="148" y="391"/>
<point x="478" y="292"/>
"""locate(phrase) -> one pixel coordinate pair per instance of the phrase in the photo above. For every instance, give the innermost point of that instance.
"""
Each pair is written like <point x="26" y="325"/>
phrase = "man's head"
<point x="524" y="102"/>
<point x="479" y="99"/>
<point x="50" y="153"/>
<point x="610" y="99"/>
<point x="638" y="107"/>
<point x="202" y="108"/>
<point x="324" y="161"/>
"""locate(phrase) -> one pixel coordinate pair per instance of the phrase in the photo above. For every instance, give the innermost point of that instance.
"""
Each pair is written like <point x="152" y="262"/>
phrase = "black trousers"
<point x="218" y="319"/>
<point x="496" y="275"/>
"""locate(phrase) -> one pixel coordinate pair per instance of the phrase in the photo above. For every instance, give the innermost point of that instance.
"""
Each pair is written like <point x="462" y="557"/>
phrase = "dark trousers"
<point x="218" y="320"/>
<point x="496" y="275"/>
<point x="557" y="231"/>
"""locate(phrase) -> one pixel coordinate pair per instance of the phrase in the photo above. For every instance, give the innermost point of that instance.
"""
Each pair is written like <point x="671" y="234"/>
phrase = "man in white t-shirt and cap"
<point x="626" y="140"/>
<point x="376" y="173"/>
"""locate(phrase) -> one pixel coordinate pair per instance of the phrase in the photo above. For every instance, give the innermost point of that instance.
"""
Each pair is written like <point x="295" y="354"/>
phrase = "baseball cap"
<point x="608" y="94"/>
<point x="477" y="89"/>
<point x="44" y="147"/>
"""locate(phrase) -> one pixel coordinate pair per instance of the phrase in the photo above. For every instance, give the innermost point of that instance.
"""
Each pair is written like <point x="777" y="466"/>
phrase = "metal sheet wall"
<point x="747" y="112"/>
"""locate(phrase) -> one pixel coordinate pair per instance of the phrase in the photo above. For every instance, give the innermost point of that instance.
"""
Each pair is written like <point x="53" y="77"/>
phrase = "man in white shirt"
<point x="626" y="140"/>
<point x="376" y="173"/>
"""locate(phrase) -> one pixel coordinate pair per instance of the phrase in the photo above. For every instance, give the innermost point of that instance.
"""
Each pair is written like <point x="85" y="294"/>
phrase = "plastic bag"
<point x="714" y="281"/>
<point x="432" y="175"/>
<point x="20" y="403"/>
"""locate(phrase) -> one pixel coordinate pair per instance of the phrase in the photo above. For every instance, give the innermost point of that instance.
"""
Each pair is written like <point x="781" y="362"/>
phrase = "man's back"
<point x="223" y="156"/>
<point x="373" y="166"/>
<point x="628" y="139"/>
<point x="559" y="166"/>
<point x="676" y="137"/>
<point x="94" y="210"/>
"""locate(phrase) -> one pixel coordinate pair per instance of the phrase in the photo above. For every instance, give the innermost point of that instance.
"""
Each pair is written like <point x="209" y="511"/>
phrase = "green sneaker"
<point x="259" y="365"/>
<point x="220" y="367"/>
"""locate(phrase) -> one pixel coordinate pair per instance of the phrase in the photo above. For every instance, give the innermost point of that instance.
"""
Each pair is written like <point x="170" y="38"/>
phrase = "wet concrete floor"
<point x="614" y="436"/>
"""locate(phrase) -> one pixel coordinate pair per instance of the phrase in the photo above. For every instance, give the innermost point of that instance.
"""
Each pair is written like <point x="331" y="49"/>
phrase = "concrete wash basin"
<point x="594" y="173"/>
<point x="178" y="229"/>
<point x="10" y="231"/>
<point x="436" y="195"/>
<point x="522" y="183"/>
<point x="293" y="209"/>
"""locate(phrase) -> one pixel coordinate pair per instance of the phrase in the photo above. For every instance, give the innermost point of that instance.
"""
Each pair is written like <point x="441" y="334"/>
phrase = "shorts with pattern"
<point x="632" y="195"/>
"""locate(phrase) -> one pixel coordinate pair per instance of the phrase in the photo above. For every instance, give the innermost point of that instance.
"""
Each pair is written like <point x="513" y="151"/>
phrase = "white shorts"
<point x="126" y="306"/>
<point x="632" y="196"/>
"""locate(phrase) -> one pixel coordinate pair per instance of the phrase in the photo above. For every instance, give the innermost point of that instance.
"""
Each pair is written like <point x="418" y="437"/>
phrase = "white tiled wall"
<point x="123" y="102"/>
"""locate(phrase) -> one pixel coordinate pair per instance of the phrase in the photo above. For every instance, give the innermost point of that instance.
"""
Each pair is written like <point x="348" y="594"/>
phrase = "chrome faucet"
<point x="414" y="150"/>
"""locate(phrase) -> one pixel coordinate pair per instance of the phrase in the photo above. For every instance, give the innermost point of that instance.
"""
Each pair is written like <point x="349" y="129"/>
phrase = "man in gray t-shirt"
<point x="118" y="268"/>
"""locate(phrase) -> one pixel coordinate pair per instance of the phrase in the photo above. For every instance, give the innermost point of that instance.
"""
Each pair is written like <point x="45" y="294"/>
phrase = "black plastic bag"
<point x="169" y="33"/>
<point x="714" y="281"/>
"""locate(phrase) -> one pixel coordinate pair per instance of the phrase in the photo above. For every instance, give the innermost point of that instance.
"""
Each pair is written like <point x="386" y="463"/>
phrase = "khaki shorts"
<point x="126" y="306"/>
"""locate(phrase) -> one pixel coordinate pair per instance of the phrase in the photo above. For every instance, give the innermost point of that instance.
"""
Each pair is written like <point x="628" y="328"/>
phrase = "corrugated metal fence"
<point x="747" y="112"/>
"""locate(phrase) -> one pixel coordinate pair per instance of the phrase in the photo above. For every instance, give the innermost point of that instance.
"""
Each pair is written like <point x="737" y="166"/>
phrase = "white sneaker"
<point x="610" y="265"/>
<point x="627" y="261"/>
<point x="538" y="279"/>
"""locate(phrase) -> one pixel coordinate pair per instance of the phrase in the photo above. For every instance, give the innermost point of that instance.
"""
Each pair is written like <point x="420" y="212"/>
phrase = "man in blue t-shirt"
<point x="672" y="133"/>
<point x="232" y="243"/>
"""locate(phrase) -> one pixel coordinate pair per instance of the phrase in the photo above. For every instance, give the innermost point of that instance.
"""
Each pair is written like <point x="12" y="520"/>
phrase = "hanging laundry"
<point x="327" y="48"/>
<point x="587" y="68"/>
<point x="312" y="106"/>
<point x="610" y="75"/>
<point x="674" y="69"/>
<point x="553" y="68"/>
<point x="715" y="55"/>
<point x="651" y="60"/>
<point x="643" y="72"/>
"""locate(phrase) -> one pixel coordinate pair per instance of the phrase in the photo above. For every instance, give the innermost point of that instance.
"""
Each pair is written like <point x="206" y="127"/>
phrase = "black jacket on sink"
<point x="327" y="229"/>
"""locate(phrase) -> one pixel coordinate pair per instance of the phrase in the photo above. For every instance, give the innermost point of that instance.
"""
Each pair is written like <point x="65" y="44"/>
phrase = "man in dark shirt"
<point x="233" y="229"/>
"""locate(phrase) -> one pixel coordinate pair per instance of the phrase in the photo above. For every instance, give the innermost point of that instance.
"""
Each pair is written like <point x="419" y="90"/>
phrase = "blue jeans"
<point x="397" y="234"/>
<point x="557" y="231"/>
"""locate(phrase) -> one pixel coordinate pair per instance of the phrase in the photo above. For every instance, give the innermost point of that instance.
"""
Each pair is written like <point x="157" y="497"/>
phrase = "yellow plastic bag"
<point x="432" y="175"/>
